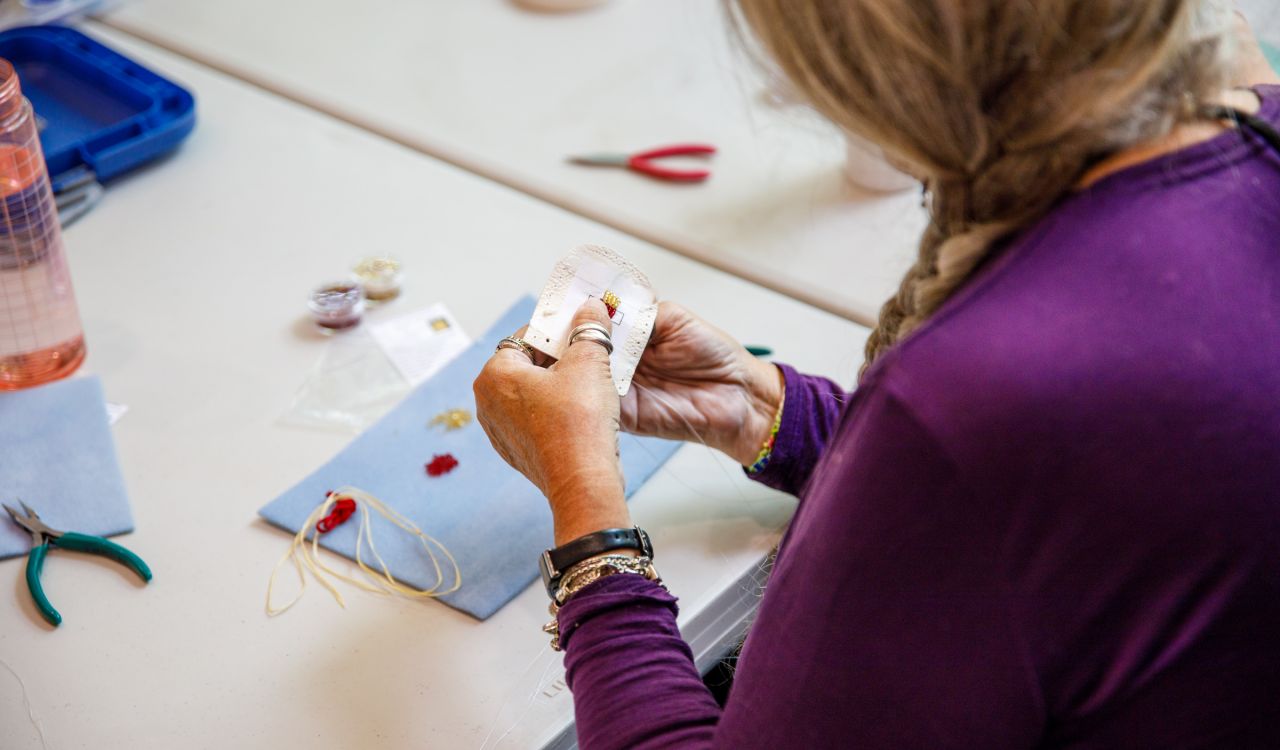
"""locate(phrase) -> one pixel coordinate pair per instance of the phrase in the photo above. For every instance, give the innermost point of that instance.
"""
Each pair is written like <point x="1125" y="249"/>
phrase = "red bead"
<point x="442" y="463"/>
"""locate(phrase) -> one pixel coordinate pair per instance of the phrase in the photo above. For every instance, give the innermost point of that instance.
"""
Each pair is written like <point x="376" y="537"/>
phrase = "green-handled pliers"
<point x="43" y="537"/>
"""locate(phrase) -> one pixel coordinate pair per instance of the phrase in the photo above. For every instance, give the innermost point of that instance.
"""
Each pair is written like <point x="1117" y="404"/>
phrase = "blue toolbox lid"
<point x="101" y="114"/>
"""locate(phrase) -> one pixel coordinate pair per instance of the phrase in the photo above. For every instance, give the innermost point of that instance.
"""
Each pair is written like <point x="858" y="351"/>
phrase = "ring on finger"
<point x="592" y="332"/>
<point x="519" y="344"/>
<point x="589" y="326"/>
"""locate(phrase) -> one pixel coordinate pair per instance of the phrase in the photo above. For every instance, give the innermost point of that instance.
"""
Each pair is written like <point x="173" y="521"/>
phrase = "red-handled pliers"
<point x="643" y="162"/>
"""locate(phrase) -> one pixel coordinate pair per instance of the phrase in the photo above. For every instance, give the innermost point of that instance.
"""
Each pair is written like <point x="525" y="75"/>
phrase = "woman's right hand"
<point x="695" y="382"/>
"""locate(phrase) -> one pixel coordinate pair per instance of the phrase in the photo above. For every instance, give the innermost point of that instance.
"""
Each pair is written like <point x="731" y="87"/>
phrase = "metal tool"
<point x="43" y="537"/>
<point x="74" y="193"/>
<point x="644" y="162"/>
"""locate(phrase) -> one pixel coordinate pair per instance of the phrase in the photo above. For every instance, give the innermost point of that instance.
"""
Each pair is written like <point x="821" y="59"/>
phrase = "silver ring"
<point x="589" y="326"/>
<point x="519" y="344"/>
<point x="593" y="332"/>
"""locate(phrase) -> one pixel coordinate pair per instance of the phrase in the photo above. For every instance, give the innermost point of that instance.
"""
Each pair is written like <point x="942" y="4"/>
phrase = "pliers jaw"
<point x="601" y="160"/>
<point x="30" y="520"/>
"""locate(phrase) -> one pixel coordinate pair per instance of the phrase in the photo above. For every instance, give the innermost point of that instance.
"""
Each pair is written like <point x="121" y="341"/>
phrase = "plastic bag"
<point x="351" y="386"/>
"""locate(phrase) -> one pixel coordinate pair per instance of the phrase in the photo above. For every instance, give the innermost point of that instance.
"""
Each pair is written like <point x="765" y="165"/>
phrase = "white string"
<point x="306" y="557"/>
<point x="537" y="688"/>
<point x="26" y="701"/>
<point x="510" y="693"/>
<point x="693" y="431"/>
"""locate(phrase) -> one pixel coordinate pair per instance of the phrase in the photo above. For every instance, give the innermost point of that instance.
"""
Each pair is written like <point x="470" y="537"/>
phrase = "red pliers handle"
<point x="645" y="161"/>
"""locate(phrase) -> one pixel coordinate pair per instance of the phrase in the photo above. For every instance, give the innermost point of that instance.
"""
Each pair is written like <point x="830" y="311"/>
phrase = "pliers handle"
<point x="43" y="538"/>
<point x="94" y="545"/>
<point x="643" y="162"/>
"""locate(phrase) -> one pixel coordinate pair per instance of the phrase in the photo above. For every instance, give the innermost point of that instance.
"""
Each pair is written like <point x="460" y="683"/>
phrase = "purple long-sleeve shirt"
<point x="1050" y="518"/>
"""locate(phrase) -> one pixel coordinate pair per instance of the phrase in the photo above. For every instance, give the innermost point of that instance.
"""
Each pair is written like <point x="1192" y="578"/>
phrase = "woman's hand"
<point x="559" y="427"/>
<point x="696" y="383"/>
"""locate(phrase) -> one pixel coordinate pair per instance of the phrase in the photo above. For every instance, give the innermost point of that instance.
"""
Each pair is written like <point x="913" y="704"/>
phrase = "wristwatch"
<point x="554" y="562"/>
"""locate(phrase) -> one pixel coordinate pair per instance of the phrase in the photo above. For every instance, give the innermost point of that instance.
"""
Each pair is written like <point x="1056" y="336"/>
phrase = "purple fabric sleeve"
<point x="811" y="412"/>
<point x="632" y="676"/>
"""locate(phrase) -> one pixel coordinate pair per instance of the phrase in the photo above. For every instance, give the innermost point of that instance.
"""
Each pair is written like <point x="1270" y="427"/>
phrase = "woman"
<point x="1050" y="514"/>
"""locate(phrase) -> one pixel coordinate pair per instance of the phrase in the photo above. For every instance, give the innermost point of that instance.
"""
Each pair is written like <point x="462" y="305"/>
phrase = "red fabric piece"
<point x="441" y="464"/>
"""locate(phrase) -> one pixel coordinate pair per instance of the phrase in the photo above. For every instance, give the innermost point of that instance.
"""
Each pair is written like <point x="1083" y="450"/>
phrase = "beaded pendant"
<point x="611" y="302"/>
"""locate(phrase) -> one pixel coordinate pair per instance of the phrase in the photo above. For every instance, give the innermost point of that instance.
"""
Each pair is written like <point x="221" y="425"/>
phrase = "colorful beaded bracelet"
<point x="762" y="459"/>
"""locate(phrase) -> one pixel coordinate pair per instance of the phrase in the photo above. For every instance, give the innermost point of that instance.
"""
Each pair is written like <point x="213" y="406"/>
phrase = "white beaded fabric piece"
<point x="636" y="291"/>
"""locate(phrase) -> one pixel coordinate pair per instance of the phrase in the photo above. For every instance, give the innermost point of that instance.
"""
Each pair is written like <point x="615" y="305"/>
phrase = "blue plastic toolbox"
<point x="100" y="113"/>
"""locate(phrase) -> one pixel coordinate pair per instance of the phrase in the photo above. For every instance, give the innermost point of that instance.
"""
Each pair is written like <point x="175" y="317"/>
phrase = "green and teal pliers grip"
<point x="43" y="537"/>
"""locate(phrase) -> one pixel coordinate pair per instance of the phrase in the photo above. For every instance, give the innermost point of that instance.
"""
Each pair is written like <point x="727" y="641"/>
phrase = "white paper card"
<point x="421" y="342"/>
<point x="594" y="271"/>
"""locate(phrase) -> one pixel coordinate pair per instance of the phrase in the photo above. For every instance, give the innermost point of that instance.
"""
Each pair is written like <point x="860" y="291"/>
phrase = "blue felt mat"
<point x="59" y="458"/>
<point x="489" y="516"/>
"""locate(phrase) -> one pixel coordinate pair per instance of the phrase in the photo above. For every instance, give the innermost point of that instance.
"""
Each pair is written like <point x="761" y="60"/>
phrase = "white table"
<point x="191" y="277"/>
<point x="509" y="93"/>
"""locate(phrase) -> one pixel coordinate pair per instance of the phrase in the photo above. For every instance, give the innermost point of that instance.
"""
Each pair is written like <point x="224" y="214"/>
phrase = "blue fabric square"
<point x="492" y="519"/>
<point x="59" y="458"/>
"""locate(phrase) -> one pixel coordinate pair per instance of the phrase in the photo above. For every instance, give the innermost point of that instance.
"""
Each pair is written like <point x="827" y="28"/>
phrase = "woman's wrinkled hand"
<point x="559" y="427"/>
<point x="697" y="383"/>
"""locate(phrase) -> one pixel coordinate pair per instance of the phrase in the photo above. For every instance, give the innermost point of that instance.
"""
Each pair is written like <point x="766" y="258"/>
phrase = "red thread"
<point x="343" y="509"/>
<point x="443" y="463"/>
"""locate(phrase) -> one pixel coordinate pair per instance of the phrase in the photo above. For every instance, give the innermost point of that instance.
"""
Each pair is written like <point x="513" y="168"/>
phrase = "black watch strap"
<point x="554" y="562"/>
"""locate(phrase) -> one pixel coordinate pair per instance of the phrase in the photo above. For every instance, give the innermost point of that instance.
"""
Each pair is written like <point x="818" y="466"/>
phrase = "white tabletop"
<point x="191" y="276"/>
<point x="509" y="93"/>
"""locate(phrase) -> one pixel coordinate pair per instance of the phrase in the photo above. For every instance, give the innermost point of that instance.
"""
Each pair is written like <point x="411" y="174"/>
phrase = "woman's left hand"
<point x="559" y="427"/>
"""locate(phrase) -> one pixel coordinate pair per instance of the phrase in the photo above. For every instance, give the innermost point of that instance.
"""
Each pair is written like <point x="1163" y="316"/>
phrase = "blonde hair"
<point x="1000" y="106"/>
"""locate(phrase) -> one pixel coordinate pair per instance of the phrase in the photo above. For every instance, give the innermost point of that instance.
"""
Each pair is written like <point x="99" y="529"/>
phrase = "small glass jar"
<point x="380" y="278"/>
<point x="337" y="306"/>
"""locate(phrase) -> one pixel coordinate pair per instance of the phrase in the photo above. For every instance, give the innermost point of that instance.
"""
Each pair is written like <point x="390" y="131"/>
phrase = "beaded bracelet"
<point x="762" y="459"/>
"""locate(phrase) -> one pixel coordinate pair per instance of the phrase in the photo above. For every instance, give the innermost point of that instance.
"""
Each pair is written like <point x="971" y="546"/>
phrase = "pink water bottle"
<point x="41" y="338"/>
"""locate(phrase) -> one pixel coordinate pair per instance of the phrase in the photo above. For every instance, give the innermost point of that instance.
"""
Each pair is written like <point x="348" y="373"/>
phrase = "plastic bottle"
<point x="41" y="338"/>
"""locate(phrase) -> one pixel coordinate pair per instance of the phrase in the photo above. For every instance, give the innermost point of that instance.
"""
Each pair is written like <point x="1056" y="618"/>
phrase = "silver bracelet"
<point x="587" y="572"/>
<point x="595" y="568"/>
